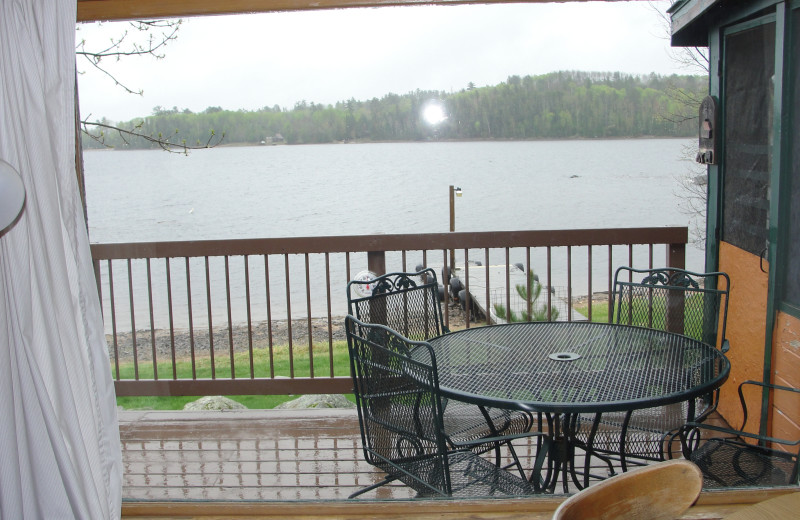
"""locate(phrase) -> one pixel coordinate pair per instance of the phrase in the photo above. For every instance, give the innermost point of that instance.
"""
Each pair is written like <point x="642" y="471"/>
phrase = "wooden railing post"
<point x="676" y="300"/>
<point x="676" y="255"/>
<point x="376" y="262"/>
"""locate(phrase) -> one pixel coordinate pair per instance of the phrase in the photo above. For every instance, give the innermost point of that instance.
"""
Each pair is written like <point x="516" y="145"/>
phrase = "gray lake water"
<point x="361" y="189"/>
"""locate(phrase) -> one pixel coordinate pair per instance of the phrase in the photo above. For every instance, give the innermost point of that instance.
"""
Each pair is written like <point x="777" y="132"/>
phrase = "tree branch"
<point x="161" y="141"/>
<point x="125" y="46"/>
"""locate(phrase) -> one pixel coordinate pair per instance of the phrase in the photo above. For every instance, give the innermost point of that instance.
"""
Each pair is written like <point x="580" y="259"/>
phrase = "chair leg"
<point x="516" y="462"/>
<point x="386" y="480"/>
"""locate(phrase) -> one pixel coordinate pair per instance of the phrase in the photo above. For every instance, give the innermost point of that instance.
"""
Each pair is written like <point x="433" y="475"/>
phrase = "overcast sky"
<point x="257" y="60"/>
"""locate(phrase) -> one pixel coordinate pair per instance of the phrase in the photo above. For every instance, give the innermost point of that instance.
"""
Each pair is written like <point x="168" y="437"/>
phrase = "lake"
<point x="360" y="189"/>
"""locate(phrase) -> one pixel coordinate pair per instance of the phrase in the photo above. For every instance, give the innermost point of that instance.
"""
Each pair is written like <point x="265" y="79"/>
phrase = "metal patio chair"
<point x="409" y="304"/>
<point x="401" y="415"/>
<point x="727" y="459"/>
<point x="674" y="300"/>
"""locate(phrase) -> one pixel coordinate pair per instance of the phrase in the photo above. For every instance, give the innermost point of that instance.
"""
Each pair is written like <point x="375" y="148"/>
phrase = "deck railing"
<point x="243" y="313"/>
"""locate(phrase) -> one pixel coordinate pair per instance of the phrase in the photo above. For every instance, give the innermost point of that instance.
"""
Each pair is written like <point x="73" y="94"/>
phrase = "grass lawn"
<point x="599" y="311"/>
<point x="222" y="368"/>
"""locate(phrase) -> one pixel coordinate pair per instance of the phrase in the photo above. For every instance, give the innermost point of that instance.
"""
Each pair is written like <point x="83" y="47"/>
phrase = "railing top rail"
<point x="395" y="242"/>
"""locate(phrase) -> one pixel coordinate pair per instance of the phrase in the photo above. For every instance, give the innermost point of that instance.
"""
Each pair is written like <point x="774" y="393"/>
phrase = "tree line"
<point x="558" y="105"/>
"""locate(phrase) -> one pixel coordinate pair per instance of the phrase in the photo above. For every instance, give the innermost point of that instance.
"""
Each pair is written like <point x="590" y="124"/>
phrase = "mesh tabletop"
<point x="575" y="367"/>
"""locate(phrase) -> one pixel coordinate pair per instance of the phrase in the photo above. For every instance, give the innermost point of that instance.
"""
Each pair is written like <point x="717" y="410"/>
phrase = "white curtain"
<point x="59" y="434"/>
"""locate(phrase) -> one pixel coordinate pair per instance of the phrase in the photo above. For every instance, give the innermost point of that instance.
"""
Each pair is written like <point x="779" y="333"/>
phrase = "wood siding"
<point x="747" y="311"/>
<point x="785" y="423"/>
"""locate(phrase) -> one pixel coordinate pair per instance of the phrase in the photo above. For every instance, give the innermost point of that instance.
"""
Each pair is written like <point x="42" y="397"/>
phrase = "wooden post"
<point x="676" y="299"/>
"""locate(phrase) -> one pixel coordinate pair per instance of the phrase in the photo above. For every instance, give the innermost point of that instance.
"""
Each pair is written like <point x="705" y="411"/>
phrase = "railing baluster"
<point x="289" y="315"/>
<point x="488" y="289"/>
<point x="446" y="282"/>
<point x="133" y="323"/>
<point x="330" y="318"/>
<point x="310" y="326"/>
<point x="630" y="255"/>
<point x="549" y="282"/>
<point x="99" y="283"/>
<point x="508" y="285"/>
<point x="610" y="284"/>
<point x="152" y="325"/>
<point x="113" y="318"/>
<point x="529" y="283"/>
<point x="171" y="321"/>
<point x="210" y="322"/>
<point x="589" y="280"/>
<point x="569" y="279"/>
<point x="269" y="319"/>
<point x="231" y="352"/>
<point x="190" y="317"/>
<point x="467" y="295"/>
<point x="248" y="306"/>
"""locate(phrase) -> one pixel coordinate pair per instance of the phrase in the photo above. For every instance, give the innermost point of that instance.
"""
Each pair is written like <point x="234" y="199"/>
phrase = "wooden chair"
<point x="401" y="415"/>
<point x="660" y="491"/>
<point x="409" y="304"/>
<point x="675" y="300"/>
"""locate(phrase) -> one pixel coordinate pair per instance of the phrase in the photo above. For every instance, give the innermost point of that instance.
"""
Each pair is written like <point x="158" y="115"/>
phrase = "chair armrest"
<point x="739" y="433"/>
<point x="500" y="438"/>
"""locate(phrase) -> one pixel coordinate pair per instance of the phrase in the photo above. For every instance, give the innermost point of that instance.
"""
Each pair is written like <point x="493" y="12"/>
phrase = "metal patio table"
<point x="564" y="369"/>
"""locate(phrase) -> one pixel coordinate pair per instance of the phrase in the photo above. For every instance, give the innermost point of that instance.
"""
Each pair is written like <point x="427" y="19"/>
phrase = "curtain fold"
<point x="59" y="435"/>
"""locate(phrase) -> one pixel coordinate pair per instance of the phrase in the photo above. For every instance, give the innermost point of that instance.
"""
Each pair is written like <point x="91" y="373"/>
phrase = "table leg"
<point x="561" y="457"/>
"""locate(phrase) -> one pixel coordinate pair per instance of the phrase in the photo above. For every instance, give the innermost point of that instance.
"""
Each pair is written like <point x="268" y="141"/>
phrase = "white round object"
<point x="12" y="195"/>
<point x="364" y="290"/>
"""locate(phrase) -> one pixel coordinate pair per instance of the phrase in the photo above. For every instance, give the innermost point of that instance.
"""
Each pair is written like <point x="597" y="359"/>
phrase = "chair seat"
<point x="464" y="422"/>
<point x="648" y="432"/>
<point x="734" y="463"/>
<point x="470" y="476"/>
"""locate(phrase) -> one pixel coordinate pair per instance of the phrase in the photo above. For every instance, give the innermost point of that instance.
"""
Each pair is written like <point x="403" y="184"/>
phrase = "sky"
<point x="261" y="60"/>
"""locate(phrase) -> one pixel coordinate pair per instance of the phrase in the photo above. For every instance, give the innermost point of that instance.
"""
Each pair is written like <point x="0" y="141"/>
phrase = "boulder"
<point x="318" y="401"/>
<point x="214" y="402"/>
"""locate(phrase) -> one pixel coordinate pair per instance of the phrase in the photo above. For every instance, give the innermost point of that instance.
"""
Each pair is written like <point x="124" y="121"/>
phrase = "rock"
<point x="214" y="402"/>
<point x="318" y="401"/>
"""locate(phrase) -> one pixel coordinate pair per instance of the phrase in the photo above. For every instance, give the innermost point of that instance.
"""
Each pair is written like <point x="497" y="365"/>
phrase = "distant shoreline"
<point x="475" y="140"/>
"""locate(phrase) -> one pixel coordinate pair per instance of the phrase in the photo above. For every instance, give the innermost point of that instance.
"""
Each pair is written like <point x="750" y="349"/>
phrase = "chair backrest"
<point x="675" y="300"/>
<point x="399" y="407"/>
<point x="405" y="302"/>
<point x="664" y="490"/>
<point x="756" y="421"/>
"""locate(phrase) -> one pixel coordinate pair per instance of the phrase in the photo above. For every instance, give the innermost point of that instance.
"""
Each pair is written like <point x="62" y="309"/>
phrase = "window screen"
<point x="791" y="250"/>
<point x="748" y="85"/>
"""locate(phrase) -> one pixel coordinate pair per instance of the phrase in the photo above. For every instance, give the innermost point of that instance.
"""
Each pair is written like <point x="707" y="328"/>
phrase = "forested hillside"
<point x="551" y="106"/>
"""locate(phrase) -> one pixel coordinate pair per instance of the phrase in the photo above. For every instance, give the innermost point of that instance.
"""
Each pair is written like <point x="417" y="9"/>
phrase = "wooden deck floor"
<point x="250" y="455"/>
<point x="294" y="464"/>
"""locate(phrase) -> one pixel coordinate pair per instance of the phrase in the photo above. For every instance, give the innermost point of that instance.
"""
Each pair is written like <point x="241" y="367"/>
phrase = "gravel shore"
<point x="241" y="340"/>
